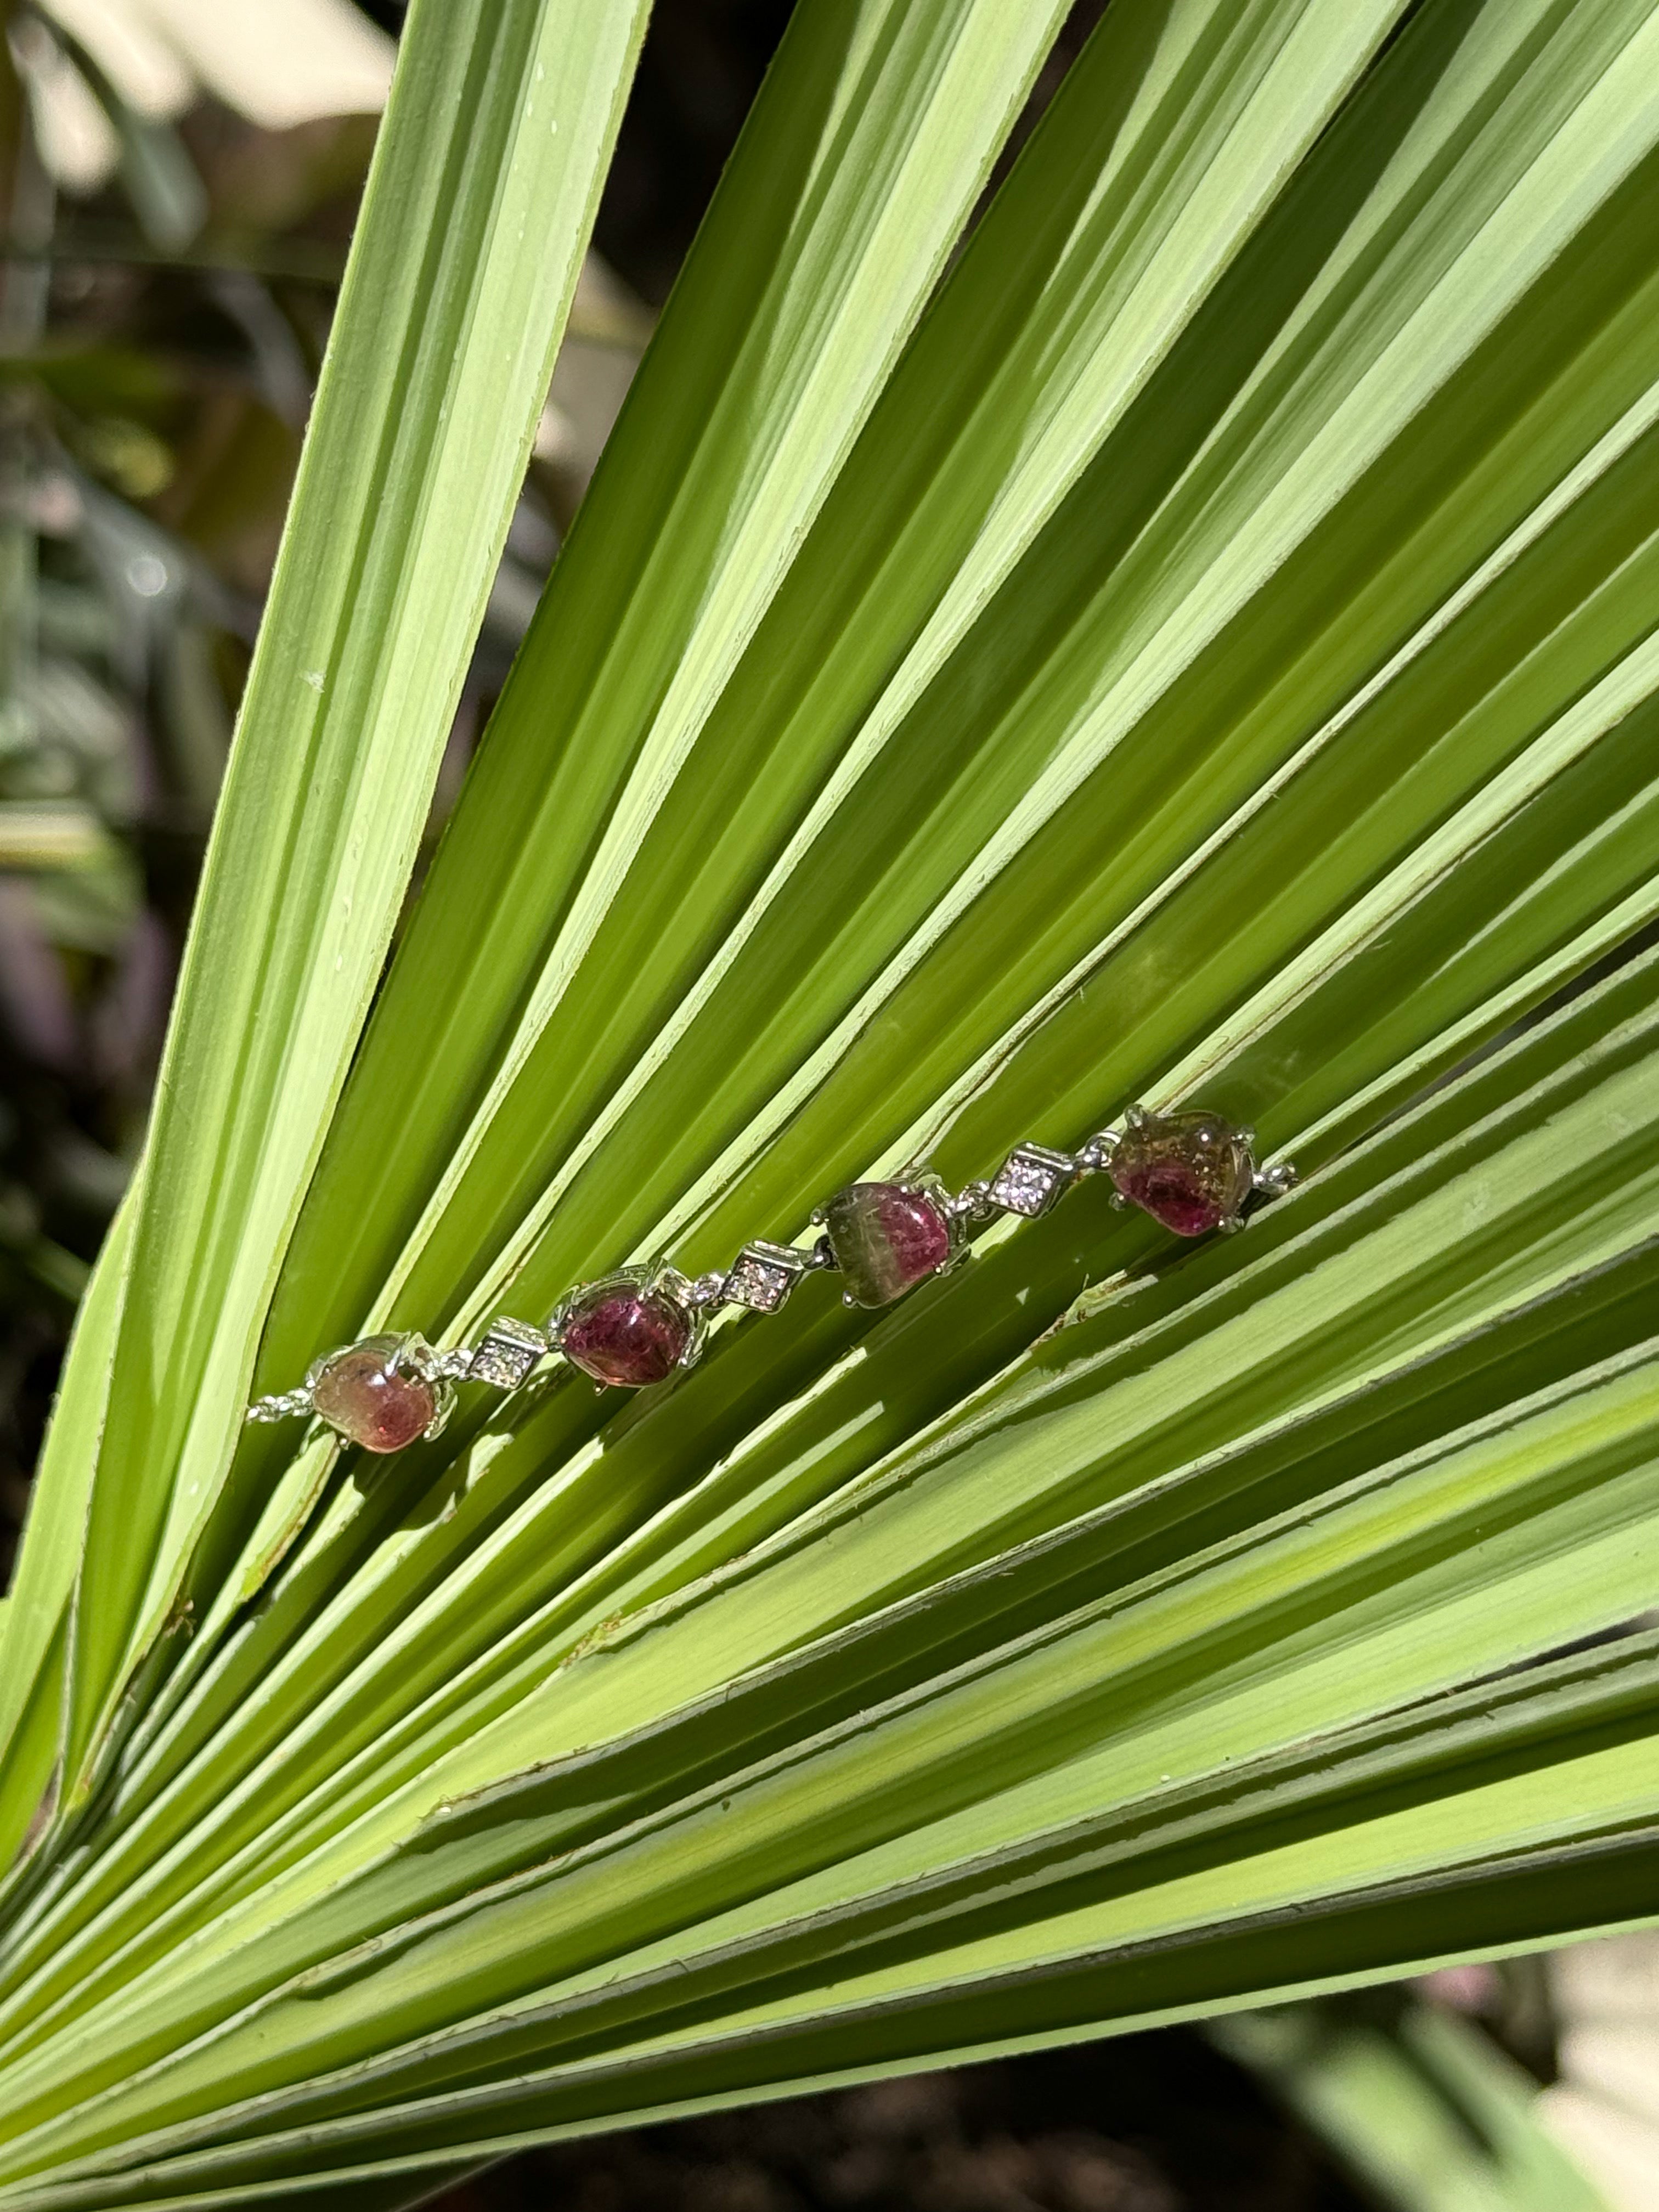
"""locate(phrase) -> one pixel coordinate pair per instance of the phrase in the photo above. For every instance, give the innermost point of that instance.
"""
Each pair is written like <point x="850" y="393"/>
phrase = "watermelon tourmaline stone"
<point x="362" y="1393"/>
<point x="1190" y="1171"/>
<point x="885" y="1239"/>
<point x="621" y="1332"/>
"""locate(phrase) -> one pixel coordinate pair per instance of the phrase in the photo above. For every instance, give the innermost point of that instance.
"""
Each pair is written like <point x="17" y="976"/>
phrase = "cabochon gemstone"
<point x="623" y="1333"/>
<point x="361" y="1392"/>
<point x="1190" y="1171"/>
<point x="885" y="1239"/>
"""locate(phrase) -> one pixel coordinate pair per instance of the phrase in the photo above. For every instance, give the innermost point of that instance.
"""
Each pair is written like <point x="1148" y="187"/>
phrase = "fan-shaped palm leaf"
<point x="1195" y="642"/>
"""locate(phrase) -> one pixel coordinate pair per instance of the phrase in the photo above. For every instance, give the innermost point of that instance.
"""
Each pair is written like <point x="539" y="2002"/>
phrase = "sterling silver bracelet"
<point x="1192" y="1171"/>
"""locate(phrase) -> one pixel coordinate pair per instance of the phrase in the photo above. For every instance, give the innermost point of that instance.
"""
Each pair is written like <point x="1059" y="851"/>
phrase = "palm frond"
<point x="1194" y="640"/>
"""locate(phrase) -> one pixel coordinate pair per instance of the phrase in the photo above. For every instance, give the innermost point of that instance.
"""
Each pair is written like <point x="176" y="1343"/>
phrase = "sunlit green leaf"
<point x="1187" y="634"/>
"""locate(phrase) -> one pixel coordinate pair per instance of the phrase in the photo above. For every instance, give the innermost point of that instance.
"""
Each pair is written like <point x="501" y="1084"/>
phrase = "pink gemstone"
<point x="621" y="1333"/>
<point x="1190" y="1171"/>
<point x="361" y="1392"/>
<point x="885" y="1239"/>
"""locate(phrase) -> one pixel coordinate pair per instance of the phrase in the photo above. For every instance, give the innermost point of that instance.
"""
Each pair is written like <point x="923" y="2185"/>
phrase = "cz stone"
<point x="624" y="1334"/>
<point x="1032" y="1179"/>
<point x="362" y="1393"/>
<point x="885" y="1239"/>
<point x="1190" y="1171"/>
<point x="509" y="1350"/>
<point x="763" y="1275"/>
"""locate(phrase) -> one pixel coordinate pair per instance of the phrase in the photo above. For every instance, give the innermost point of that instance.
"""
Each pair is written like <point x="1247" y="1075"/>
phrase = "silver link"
<point x="972" y="1202"/>
<point x="1097" y="1152"/>
<point x="281" y="1407"/>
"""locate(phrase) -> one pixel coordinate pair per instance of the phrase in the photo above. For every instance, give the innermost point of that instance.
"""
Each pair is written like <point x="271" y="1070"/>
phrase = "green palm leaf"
<point x="1194" y="641"/>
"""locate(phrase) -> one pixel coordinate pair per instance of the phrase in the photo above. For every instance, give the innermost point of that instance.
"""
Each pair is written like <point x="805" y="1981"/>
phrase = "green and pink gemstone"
<point x="885" y="1237"/>
<point x="1192" y="1172"/>
<point x="628" y="1331"/>
<point x="376" y="1393"/>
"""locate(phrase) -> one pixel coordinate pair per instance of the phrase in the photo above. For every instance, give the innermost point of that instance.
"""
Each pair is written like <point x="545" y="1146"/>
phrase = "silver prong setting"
<point x="923" y="1183"/>
<point x="416" y="1357"/>
<point x="670" y="1283"/>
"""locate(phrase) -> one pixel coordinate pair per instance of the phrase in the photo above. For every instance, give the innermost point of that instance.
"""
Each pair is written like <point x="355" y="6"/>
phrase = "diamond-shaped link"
<point x="508" y="1351"/>
<point x="1032" y="1179"/>
<point x="763" y="1275"/>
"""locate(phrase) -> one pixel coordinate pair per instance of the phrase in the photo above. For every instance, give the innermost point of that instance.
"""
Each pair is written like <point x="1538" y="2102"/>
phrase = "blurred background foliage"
<point x="178" y="180"/>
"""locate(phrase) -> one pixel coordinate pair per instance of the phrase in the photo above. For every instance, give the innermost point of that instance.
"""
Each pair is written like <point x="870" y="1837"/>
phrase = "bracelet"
<point x="1191" y="1171"/>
